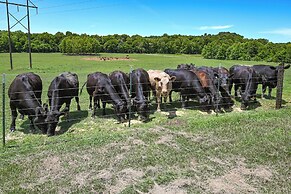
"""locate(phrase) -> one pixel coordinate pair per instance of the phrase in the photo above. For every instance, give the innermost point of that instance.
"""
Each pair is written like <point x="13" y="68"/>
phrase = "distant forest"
<point x="224" y="45"/>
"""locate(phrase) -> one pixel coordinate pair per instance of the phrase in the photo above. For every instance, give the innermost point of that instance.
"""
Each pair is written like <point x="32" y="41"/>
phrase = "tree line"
<point x="224" y="45"/>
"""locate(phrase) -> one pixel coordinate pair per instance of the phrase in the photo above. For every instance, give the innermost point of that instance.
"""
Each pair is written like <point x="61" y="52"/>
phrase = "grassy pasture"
<point x="234" y="152"/>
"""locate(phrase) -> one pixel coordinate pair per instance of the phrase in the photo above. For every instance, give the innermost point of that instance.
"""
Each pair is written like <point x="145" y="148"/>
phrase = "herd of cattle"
<point x="210" y="86"/>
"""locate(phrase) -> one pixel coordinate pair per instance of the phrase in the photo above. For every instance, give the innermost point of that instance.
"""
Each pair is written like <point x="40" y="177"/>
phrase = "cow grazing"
<point x="207" y="81"/>
<point x="90" y="86"/>
<point x="223" y="84"/>
<point x="25" y="96"/>
<point x="105" y="92"/>
<point x="246" y="79"/>
<point x="61" y="91"/>
<point x="120" y="82"/>
<point x="186" y="66"/>
<point x="189" y="86"/>
<point x="161" y="85"/>
<point x="268" y="77"/>
<point x="140" y="92"/>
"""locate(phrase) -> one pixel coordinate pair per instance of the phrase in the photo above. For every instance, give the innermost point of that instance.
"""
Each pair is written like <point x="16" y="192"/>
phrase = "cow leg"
<point x="230" y="86"/>
<point x="78" y="104"/>
<point x="184" y="103"/>
<point x="236" y="87"/>
<point x="90" y="101"/>
<point x="158" y="98"/>
<point x="270" y="91"/>
<point x="14" y="115"/>
<point x="95" y="100"/>
<point x="170" y="96"/>
<point x="67" y="109"/>
<point x="264" y="88"/>
<point x="21" y="116"/>
<point x="104" y="106"/>
<point x="31" y="125"/>
<point x="155" y="95"/>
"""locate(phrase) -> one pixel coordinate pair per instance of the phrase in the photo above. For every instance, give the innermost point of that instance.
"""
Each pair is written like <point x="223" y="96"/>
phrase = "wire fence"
<point x="169" y="107"/>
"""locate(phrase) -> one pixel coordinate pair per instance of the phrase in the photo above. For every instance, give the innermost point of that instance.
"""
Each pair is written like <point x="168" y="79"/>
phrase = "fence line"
<point x="3" y="109"/>
<point x="65" y="89"/>
<point x="280" y="78"/>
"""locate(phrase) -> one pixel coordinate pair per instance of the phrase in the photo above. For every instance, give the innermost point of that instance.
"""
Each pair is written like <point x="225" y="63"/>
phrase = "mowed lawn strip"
<point x="234" y="152"/>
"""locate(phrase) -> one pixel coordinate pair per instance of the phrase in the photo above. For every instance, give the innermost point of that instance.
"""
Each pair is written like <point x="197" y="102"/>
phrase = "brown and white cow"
<point x="161" y="85"/>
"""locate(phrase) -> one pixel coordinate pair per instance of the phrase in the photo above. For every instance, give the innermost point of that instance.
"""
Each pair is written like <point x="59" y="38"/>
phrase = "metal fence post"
<point x="280" y="86"/>
<point x="130" y="92"/>
<point x="3" y="108"/>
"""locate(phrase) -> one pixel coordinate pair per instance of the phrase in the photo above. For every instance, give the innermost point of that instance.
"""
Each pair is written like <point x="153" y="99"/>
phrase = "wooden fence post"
<point x="280" y="79"/>
<point x="3" y="108"/>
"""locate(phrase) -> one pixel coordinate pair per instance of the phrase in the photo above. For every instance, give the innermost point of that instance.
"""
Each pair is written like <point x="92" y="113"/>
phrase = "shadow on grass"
<point x="74" y="117"/>
<point x="64" y="123"/>
<point x="26" y="129"/>
<point x="252" y="103"/>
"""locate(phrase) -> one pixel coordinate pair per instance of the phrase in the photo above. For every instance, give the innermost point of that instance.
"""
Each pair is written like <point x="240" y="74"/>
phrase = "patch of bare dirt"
<point x="52" y="166"/>
<point x="81" y="179"/>
<point x="175" y="187"/>
<point x="124" y="178"/>
<point x="167" y="140"/>
<point x="176" y="122"/>
<point x="126" y="58"/>
<point x="234" y="181"/>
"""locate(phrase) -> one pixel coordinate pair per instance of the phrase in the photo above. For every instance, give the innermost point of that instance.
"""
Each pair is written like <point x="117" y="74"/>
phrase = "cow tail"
<point x="82" y="87"/>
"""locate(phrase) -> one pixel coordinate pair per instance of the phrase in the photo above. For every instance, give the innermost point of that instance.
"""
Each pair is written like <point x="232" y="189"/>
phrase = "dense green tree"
<point x="224" y="45"/>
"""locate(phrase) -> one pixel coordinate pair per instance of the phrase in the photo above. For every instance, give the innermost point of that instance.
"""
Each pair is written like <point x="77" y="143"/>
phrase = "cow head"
<point x="204" y="100"/>
<point x="121" y="110"/>
<point x="164" y="85"/>
<point x="142" y="108"/>
<point x="186" y="66"/>
<point x="40" y="118"/>
<point x="52" y="120"/>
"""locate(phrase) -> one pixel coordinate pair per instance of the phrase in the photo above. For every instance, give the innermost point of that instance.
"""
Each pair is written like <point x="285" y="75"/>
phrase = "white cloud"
<point x="283" y="31"/>
<point x="215" y="27"/>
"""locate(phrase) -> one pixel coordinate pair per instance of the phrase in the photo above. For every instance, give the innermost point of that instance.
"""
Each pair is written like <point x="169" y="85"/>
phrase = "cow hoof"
<point x="79" y="108"/>
<point x="12" y="129"/>
<point x="243" y="107"/>
<point x="159" y="110"/>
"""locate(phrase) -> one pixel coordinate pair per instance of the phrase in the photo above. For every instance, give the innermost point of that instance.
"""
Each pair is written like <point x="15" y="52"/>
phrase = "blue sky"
<point x="270" y="19"/>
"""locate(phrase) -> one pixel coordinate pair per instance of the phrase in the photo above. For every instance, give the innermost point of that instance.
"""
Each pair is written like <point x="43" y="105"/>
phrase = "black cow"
<point x="120" y="82"/>
<point x="246" y="79"/>
<point x="186" y="66"/>
<point x="208" y="80"/>
<point x="268" y="77"/>
<point x="105" y="92"/>
<point x="25" y="96"/>
<point x="223" y="82"/>
<point x="189" y="86"/>
<point x="141" y="88"/>
<point x="90" y="86"/>
<point x="61" y="91"/>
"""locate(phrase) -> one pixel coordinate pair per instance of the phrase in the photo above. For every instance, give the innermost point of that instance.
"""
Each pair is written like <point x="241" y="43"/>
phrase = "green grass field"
<point x="234" y="152"/>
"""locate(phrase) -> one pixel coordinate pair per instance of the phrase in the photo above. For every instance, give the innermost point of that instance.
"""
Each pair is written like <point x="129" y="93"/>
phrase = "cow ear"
<point x="231" y="75"/>
<point x="58" y="114"/>
<point x="287" y="66"/>
<point x="157" y="79"/>
<point x="100" y="89"/>
<point x="173" y="78"/>
<point x="216" y="75"/>
<point x="24" y="78"/>
<point x="45" y="107"/>
<point x="38" y="111"/>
